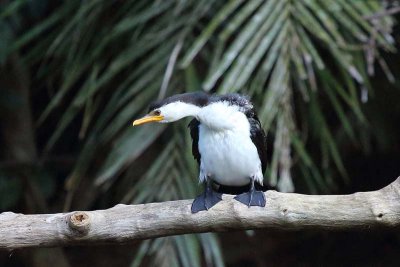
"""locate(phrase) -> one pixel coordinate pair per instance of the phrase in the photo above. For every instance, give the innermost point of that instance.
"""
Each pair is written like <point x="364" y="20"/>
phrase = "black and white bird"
<point x="228" y="142"/>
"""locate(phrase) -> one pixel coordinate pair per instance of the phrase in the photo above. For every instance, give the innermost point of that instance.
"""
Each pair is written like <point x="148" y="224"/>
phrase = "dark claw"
<point x="205" y="201"/>
<point x="252" y="198"/>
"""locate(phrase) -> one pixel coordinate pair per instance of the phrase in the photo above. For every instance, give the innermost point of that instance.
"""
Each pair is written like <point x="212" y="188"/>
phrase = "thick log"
<point x="128" y="223"/>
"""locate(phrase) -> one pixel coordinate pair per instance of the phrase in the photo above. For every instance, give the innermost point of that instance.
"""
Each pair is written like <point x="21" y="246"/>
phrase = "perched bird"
<point x="228" y="142"/>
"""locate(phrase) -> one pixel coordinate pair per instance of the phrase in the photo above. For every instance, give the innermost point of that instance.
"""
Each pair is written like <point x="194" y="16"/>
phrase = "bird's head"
<point x="174" y="108"/>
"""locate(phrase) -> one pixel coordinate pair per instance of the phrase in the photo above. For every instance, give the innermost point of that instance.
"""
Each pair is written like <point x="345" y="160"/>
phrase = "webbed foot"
<point x="252" y="198"/>
<point x="206" y="200"/>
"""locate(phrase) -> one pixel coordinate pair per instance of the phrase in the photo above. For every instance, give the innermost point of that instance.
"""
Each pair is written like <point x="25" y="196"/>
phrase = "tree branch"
<point x="129" y="223"/>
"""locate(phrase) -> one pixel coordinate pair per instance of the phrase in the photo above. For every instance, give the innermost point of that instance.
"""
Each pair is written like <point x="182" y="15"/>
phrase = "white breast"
<point x="228" y="155"/>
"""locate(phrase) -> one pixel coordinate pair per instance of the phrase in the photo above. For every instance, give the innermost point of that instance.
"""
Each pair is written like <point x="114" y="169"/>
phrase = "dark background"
<point x="35" y="179"/>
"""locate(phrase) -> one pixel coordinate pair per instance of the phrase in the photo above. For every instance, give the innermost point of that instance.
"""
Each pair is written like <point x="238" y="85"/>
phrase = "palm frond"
<point x="306" y="64"/>
<point x="275" y="56"/>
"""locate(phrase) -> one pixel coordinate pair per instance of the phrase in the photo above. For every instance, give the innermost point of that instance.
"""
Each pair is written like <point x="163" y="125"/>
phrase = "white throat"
<point x="221" y="116"/>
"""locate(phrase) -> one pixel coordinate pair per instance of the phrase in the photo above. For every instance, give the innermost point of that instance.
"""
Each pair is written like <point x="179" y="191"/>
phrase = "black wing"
<point x="194" y="133"/>
<point x="259" y="139"/>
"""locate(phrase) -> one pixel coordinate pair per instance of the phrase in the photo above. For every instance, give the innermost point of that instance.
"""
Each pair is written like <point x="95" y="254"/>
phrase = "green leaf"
<point x="209" y="30"/>
<point x="127" y="149"/>
<point x="11" y="8"/>
<point x="274" y="29"/>
<point x="267" y="9"/>
<point x="10" y="191"/>
<point x="39" y="29"/>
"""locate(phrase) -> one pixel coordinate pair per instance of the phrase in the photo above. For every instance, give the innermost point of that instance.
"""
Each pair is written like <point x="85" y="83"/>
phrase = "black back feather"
<point x="259" y="139"/>
<point x="194" y="133"/>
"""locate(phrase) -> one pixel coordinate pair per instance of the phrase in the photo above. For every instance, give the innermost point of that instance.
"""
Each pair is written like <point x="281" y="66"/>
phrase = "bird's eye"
<point x="157" y="112"/>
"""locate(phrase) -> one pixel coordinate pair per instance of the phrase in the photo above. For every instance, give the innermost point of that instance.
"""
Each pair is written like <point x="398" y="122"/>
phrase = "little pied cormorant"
<point x="228" y="142"/>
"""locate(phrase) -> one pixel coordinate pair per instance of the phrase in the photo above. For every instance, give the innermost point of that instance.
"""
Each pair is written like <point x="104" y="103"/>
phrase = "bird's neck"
<point x="218" y="116"/>
<point x="221" y="116"/>
<point x="178" y="110"/>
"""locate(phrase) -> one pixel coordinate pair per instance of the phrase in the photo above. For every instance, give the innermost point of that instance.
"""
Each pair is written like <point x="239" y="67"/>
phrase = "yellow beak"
<point x="147" y="119"/>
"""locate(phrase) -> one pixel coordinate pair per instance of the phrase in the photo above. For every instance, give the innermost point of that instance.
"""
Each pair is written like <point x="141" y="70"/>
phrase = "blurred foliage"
<point x="10" y="191"/>
<point x="306" y="65"/>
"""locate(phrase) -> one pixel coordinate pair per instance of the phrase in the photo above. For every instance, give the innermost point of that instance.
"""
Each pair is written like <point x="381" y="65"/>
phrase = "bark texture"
<point x="128" y="223"/>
